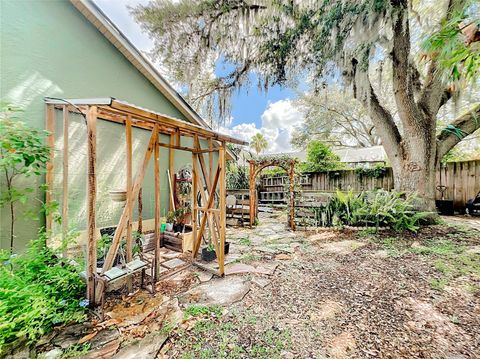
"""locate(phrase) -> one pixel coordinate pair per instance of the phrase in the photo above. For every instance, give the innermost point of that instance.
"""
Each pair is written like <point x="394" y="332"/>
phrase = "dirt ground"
<point x="325" y="294"/>
<point x="350" y="295"/>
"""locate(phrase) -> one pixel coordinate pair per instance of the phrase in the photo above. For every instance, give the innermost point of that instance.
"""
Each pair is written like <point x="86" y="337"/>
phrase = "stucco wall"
<point x="49" y="49"/>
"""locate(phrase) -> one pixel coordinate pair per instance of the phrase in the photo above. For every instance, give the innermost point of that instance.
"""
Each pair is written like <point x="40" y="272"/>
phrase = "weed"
<point x="438" y="284"/>
<point x="245" y="242"/>
<point x="76" y="351"/>
<point x="197" y="310"/>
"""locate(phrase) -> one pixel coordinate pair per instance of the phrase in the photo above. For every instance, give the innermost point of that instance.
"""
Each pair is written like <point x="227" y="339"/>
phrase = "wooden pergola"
<point x="256" y="167"/>
<point x="206" y="178"/>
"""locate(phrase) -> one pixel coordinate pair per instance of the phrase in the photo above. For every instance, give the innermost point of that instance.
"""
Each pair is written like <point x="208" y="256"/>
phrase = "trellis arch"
<point x="256" y="166"/>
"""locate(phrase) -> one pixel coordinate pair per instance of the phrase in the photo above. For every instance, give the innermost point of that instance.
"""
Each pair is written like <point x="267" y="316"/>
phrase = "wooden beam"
<point x="210" y="161"/>
<point x="126" y="215"/>
<point x="65" y="179"/>
<point x="50" y="126"/>
<point x="223" y="208"/>
<point x="157" y="207"/>
<point x="205" y="199"/>
<point x="171" y="160"/>
<point x="91" y="202"/>
<point x="129" y="153"/>
<point x="252" y="196"/>
<point x="194" y="201"/>
<point x="173" y="122"/>
<point x="213" y="220"/>
<point x="204" y="218"/>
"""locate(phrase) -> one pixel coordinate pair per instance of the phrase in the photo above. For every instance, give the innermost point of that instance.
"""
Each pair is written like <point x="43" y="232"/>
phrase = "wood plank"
<point x="205" y="199"/>
<point x="129" y="153"/>
<point x="65" y="179"/>
<point x="204" y="218"/>
<point x="128" y="143"/>
<point x="91" y="202"/>
<point x="210" y="161"/>
<point x="171" y="161"/>
<point x="194" y="200"/>
<point x="157" y="206"/>
<point x="173" y="122"/>
<point x="50" y="127"/>
<point x="125" y="214"/>
<point x="223" y="209"/>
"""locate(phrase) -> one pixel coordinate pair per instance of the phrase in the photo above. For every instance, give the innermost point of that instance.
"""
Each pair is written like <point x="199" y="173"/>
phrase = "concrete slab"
<point x="221" y="291"/>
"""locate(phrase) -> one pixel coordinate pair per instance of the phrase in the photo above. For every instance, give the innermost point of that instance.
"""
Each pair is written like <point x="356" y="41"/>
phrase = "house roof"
<point x="101" y="21"/>
<point x="362" y="154"/>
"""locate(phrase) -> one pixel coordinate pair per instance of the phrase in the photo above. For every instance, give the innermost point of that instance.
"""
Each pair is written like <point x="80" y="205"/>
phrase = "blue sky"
<point x="270" y="113"/>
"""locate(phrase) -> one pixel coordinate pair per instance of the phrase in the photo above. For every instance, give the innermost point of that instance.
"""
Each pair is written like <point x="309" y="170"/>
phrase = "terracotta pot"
<point x="118" y="195"/>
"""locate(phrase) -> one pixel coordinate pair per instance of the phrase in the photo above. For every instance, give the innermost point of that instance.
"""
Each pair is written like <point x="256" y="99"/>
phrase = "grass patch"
<point x="199" y="310"/>
<point x="245" y="242"/>
<point x="233" y="336"/>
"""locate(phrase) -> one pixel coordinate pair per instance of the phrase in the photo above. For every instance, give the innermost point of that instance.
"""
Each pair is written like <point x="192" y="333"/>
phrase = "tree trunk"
<point x="415" y="171"/>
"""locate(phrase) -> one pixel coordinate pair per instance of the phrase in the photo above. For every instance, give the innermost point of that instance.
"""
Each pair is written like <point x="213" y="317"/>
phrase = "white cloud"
<point x="278" y="122"/>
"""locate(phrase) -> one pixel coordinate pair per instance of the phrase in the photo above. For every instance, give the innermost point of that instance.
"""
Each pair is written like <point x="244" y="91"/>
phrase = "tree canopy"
<point x="342" y="42"/>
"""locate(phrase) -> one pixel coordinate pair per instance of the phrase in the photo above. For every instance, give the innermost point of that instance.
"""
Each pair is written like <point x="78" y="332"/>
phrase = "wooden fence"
<point x="462" y="180"/>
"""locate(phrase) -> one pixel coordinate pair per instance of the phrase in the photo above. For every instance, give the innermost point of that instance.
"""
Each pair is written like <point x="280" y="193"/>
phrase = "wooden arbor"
<point x="207" y="178"/>
<point x="256" y="166"/>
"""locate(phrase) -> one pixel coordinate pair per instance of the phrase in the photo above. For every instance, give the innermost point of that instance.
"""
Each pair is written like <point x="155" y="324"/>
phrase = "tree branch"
<point x="457" y="130"/>
<point x="381" y="118"/>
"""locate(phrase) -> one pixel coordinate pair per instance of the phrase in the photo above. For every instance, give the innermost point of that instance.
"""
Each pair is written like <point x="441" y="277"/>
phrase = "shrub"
<point x="376" y="208"/>
<point x="38" y="291"/>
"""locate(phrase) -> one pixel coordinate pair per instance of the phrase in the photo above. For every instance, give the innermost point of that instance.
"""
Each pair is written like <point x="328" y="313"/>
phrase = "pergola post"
<point x="223" y="207"/>
<point x="157" y="205"/>
<point x="91" y="202"/>
<point x="129" y="239"/>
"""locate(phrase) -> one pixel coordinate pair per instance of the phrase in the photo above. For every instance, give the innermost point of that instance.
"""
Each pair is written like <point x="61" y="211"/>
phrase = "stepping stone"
<point x="261" y="282"/>
<point x="221" y="291"/>
<point x="173" y="263"/>
<point x="266" y="268"/>
<point x="239" y="268"/>
<point x="144" y="348"/>
<point x="204" y="276"/>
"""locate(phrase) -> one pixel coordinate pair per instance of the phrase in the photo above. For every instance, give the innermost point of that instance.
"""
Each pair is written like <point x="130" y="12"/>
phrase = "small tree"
<point x="22" y="154"/>
<point x="320" y="157"/>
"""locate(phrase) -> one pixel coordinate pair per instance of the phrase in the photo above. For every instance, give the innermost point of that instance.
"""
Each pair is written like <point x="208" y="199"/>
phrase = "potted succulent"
<point x="170" y="221"/>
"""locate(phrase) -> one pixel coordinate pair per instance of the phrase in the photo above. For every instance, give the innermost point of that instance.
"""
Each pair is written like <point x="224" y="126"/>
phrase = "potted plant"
<point x="170" y="221"/>
<point x="179" y="220"/>
<point x="208" y="253"/>
<point x="118" y="195"/>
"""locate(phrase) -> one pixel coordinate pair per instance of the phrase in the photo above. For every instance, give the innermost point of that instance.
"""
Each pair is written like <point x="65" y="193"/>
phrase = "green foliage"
<point x="202" y="310"/>
<point x="374" y="209"/>
<point x="320" y="158"/>
<point x="38" y="291"/>
<point x="259" y="143"/>
<point x="378" y="171"/>
<point x="455" y="53"/>
<point x="237" y="176"/>
<point x="23" y="154"/>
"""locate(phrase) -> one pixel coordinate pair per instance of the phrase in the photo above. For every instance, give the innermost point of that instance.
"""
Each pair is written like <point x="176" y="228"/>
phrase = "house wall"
<point x="49" y="49"/>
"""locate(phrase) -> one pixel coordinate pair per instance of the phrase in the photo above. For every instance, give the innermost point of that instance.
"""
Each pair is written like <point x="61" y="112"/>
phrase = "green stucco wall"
<point x="49" y="49"/>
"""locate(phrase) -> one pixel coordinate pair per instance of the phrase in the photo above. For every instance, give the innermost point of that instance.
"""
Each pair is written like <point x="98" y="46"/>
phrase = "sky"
<point x="271" y="113"/>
